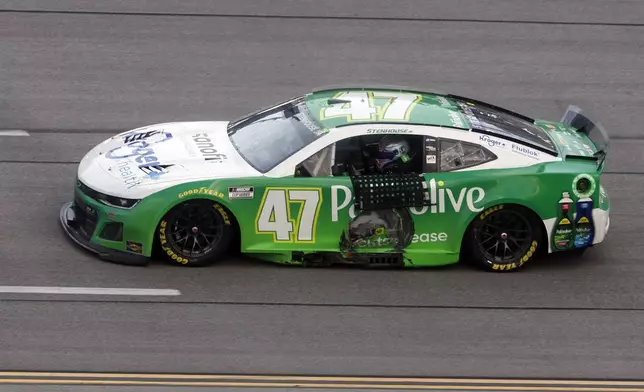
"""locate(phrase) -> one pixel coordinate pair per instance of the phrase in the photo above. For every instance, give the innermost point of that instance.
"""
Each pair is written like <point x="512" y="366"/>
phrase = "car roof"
<point x="339" y="107"/>
<point x="424" y="108"/>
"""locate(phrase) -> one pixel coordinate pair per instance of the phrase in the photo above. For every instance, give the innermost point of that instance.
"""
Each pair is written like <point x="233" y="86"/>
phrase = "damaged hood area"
<point x="143" y="161"/>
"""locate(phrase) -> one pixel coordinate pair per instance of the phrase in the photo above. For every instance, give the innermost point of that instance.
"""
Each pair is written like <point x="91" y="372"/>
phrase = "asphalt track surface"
<point x="73" y="72"/>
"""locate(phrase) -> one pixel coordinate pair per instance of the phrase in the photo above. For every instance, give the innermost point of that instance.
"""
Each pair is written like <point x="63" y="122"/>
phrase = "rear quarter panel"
<point x="462" y="196"/>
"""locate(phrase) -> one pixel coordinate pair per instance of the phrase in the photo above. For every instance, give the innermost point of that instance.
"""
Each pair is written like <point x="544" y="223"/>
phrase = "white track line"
<point x="13" y="132"/>
<point x="86" y="291"/>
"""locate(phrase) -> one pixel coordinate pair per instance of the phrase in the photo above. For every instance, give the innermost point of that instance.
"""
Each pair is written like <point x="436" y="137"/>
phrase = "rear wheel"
<point x="503" y="238"/>
<point x="195" y="233"/>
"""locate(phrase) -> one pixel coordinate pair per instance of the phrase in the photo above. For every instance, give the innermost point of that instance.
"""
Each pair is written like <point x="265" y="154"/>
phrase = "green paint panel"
<point x="568" y="140"/>
<point x="320" y="209"/>
<point x="384" y="106"/>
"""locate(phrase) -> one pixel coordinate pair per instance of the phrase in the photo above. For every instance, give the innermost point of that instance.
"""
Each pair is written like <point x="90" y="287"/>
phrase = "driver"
<point x="393" y="155"/>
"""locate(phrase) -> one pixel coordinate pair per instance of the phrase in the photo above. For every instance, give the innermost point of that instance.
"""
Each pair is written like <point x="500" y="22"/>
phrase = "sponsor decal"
<point x="550" y="127"/>
<point x="111" y="216"/>
<point x="389" y="130"/>
<point x="430" y="159"/>
<point x="526" y="151"/>
<point x="207" y="148"/>
<point x="456" y="120"/>
<point x="134" y="247"/>
<point x="429" y="237"/>
<point x="492" y="141"/>
<point x="241" y="192"/>
<point x="154" y="171"/>
<point x="200" y="191"/>
<point x="591" y="188"/>
<point x="375" y="242"/>
<point x="444" y="200"/>
<point x="141" y="150"/>
<point x="430" y="144"/>
<point x="136" y="136"/>
<point x="127" y="175"/>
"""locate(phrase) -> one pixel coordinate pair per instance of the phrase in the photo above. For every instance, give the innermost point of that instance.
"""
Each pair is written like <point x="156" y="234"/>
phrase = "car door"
<point x="295" y="212"/>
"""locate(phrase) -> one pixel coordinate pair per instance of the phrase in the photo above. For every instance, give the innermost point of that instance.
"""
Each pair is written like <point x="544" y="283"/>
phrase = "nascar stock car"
<point x="364" y="176"/>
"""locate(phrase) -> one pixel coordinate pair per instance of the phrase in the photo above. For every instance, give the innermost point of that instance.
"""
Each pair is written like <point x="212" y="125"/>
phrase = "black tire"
<point x="503" y="238"/>
<point x="206" y="227"/>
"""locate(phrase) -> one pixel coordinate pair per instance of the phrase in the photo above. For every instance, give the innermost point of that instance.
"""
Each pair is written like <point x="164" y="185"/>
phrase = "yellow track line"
<point x="425" y="380"/>
<point x="315" y="385"/>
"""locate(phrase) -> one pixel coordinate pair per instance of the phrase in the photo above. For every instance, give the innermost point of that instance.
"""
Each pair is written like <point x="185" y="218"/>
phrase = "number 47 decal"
<point x="274" y="215"/>
<point x="360" y="106"/>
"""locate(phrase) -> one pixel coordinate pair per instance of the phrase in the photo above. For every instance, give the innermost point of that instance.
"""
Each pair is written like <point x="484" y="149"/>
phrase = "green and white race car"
<point x="365" y="176"/>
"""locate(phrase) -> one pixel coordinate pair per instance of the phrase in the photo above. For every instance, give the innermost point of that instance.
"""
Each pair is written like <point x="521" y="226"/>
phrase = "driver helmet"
<point x="392" y="150"/>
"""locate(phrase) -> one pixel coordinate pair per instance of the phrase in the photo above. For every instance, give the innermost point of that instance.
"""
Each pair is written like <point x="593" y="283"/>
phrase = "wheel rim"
<point x="195" y="230"/>
<point x="504" y="235"/>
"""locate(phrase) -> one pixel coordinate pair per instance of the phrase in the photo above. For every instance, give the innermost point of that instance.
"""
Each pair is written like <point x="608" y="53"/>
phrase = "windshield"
<point x="502" y="123"/>
<point x="267" y="138"/>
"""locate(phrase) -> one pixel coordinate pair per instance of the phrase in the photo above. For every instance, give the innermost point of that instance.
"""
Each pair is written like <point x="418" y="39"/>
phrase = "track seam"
<point x="319" y="305"/>
<point x="313" y="17"/>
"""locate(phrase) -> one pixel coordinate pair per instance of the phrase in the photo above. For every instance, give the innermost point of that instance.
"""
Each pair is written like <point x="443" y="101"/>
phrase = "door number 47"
<point x="275" y="215"/>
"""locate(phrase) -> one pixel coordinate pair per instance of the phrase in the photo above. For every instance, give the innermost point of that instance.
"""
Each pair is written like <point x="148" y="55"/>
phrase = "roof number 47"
<point x="362" y="106"/>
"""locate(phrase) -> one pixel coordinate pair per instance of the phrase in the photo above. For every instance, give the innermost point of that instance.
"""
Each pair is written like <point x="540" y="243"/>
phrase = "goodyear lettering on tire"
<point x="490" y="210"/>
<point x="166" y="249"/>
<point x="525" y="258"/>
<point x="223" y="213"/>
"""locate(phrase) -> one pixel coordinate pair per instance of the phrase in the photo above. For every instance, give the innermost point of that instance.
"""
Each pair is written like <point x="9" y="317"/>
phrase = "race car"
<point x="377" y="177"/>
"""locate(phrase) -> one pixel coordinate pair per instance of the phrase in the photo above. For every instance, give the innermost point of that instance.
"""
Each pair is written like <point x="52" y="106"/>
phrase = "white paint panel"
<point x="13" y="132"/>
<point x="87" y="291"/>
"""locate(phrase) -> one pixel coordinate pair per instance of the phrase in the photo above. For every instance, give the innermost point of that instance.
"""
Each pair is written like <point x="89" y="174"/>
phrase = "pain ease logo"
<point x="441" y="198"/>
<point x="139" y="146"/>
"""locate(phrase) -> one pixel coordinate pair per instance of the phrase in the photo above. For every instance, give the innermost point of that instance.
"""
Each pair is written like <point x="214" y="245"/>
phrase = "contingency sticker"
<point x="430" y="154"/>
<point x="134" y="247"/>
<point x="241" y="192"/>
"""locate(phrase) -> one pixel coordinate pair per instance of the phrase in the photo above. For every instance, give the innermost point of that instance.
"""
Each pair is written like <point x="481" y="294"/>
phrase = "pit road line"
<point x="316" y="381"/>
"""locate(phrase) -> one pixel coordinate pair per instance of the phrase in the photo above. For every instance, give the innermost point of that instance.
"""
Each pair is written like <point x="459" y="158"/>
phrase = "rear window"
<point x="504" y="124"/>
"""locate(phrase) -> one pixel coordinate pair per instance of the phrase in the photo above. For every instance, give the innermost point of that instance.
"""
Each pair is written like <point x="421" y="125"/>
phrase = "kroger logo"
<point x="491" y="142"/>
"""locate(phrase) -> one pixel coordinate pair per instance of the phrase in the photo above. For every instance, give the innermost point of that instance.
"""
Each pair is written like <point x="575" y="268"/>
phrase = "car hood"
<point x="137" y="163"/>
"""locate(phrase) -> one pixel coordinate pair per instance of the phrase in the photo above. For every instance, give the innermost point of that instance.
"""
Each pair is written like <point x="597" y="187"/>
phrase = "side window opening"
<point x="319" y="164"/>
<point x="455" y="155"/>
<point x="362" y="155"/>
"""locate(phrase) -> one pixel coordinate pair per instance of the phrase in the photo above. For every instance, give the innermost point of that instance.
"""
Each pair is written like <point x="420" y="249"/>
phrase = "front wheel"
<point x="195" y="233"/>
<point x="503" y="238"/>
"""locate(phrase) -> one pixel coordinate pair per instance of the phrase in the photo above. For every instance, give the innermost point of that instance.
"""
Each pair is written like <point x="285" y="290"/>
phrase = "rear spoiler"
<point x="592" y="129"/>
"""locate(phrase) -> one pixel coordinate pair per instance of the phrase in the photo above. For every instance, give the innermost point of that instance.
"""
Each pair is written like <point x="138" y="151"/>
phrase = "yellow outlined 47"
<point x="361" y="106"/>
<point x="274" y="215"/>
